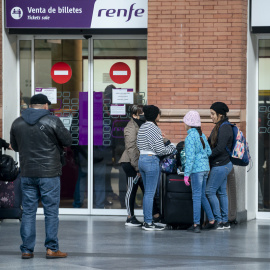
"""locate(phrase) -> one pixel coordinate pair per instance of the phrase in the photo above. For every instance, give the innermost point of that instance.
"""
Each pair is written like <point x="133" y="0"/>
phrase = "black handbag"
<point x="8" y="168"/>
<point x="54" y="140"/>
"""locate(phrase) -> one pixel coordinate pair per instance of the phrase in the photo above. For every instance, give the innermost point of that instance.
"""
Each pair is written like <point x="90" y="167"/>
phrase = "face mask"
<point x="142" y="118"/>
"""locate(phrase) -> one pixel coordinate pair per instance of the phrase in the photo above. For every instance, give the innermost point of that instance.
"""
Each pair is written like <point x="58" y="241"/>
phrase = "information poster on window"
<point x="51" y="93"/>
<point x="118" y="109"/>
<point x="122" y="96"/>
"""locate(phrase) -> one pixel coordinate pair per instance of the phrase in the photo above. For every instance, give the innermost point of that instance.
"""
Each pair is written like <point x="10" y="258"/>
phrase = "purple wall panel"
<point x="83" y="118"/>
<point x="98" y="118"/>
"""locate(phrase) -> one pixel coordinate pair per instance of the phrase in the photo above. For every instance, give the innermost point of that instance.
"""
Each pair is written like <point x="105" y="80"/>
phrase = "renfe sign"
<point x="74" y="14"/>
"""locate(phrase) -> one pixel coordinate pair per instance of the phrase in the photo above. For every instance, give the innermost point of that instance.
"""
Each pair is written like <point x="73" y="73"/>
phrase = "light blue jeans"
<point x="217" y="185"/>
<point x="198" y="184"/>
<point x="48" y="190"/>
<point x="150" y="171"/>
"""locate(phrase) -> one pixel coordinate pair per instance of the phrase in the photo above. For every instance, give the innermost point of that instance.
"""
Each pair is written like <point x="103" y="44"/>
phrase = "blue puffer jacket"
<point x="196" y="156"/>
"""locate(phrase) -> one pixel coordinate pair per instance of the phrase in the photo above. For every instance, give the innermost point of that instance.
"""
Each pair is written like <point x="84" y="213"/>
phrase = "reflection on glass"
<point x="264" y="127"/>
<point x="70" y="108"/>
<point x="25" y="73"/>
<point x="110" y="181"/>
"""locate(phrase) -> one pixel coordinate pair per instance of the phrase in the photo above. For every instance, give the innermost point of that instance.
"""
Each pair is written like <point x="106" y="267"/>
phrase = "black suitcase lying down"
<point x="176" y="201"/>
<point x="11" y="200"/>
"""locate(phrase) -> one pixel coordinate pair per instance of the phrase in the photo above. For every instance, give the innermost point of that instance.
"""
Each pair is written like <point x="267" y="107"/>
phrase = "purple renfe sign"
<point x="49" y="13"/>
<point x="76" y="14"/>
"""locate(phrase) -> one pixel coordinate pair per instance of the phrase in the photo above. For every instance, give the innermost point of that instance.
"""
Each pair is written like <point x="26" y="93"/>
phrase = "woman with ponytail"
<point x="197" y="168"/>
<point x="221" y="138"/>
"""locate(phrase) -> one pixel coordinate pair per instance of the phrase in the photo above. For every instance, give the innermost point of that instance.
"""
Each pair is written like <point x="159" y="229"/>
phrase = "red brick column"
<point x="196" y="56"/>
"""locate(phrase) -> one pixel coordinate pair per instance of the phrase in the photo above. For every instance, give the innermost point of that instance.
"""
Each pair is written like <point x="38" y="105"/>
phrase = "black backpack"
<point x="8" y="168"/>
<point x="179" y="147"/>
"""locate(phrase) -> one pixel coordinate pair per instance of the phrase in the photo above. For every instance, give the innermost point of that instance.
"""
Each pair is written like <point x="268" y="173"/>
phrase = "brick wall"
<point x="196" y="56"/>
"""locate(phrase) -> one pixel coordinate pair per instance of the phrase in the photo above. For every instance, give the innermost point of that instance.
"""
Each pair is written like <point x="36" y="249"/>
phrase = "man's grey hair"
<point x="37" y="106"/>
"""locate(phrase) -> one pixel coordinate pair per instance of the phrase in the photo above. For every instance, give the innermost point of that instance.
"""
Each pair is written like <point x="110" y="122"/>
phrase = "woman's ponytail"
<point x="200" y="133"/>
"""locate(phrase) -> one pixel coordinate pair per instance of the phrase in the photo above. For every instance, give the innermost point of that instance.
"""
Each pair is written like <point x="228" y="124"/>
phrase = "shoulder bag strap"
<point x="52" y="138"/>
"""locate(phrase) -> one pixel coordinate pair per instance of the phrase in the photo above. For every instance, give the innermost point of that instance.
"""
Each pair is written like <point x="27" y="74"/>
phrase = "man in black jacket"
<point x="40" y="172"/>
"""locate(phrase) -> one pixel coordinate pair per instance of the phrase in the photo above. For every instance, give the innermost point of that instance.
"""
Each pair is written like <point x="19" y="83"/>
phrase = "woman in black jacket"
<point x="220" y="138"/>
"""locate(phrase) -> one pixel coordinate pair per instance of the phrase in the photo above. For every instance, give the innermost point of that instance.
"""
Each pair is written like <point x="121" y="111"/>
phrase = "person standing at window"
<point x="151" y="146"/>
<point x="40" y="172"/>
<point x="220" y="139"/>
<point x="129" y="162"/>
<point x="197" y="168"/>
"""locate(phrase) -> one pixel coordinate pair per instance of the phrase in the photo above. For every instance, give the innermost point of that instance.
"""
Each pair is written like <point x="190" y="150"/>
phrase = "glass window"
<point x="110" y="182"/>
<point x="25" y="73"/>
<point x="71" y="108"/>
<point x="264" y="126"/>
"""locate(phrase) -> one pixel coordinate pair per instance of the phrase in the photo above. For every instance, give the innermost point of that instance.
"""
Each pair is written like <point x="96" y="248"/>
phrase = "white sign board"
<point x="51" y="93"/>
<point x="260" y="13"/>
<point x="120" y="14"/>
<point x="122" y="96"/>
<point x="118" y="109"/>
<point x="67" y="121"/>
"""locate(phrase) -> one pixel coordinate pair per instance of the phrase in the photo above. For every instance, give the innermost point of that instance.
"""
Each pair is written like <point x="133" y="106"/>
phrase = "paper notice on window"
<point x="122" y="96"/>
<point x="67" y="121"/>
<point x="51" y="93"/>
<point x="118" y="109"/>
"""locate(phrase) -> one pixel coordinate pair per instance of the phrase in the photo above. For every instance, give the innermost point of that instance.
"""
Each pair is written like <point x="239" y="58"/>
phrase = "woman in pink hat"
<point x="197" y="168"/>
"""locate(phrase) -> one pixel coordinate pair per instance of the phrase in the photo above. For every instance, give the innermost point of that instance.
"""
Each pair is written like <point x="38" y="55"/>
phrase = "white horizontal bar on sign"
<point x="117" y="72"/>
<point x="61" y="72"/>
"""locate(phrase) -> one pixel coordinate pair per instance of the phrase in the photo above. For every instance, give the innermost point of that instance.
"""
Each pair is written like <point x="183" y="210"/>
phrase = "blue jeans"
<point x="198" y="184"/>
<point x="150" y="171"/>
<point x="48" y="190"/>
<point x="216" y="185"/>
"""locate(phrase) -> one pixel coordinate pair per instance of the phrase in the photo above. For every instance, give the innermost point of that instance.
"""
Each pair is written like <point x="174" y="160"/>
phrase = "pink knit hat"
<point x="192" y="119"/>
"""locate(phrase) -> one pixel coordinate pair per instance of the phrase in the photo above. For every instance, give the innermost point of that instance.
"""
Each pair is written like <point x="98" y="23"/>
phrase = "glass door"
<point x="93" y="181"/>
<point x="264" y="128"/>
<point x="68" y="87"/>
<point x="119" y="81"/>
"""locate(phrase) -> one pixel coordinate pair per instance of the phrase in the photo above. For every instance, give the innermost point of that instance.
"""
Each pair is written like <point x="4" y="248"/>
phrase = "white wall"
<point x="10" y="83"/>
<point x="252" y="125"/>
<point x="264" y="78"/>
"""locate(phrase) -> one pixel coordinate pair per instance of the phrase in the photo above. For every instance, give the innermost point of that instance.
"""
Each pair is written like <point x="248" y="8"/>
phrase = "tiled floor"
<point x="97" y="242"/>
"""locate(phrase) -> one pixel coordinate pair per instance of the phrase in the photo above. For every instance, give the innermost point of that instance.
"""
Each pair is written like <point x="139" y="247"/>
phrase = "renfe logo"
<point x="122" y="12"/>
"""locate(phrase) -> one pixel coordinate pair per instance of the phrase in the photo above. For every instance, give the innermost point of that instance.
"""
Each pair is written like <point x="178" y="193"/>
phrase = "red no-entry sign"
<point x="120" y="72"/>
<point x="61" y="72"/>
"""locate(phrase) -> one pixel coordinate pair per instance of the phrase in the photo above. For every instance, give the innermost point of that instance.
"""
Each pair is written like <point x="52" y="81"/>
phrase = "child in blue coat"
<point x="197" y="168"/>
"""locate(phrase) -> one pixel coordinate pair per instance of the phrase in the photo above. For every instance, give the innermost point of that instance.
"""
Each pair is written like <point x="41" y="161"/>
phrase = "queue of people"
<point x="207" y="165"/>
<point x="144" y="145"/>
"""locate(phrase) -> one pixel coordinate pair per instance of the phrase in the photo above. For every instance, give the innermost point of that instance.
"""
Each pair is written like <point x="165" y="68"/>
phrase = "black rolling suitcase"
<point x="11" y="200"/>
<point x="175" y="200"/>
